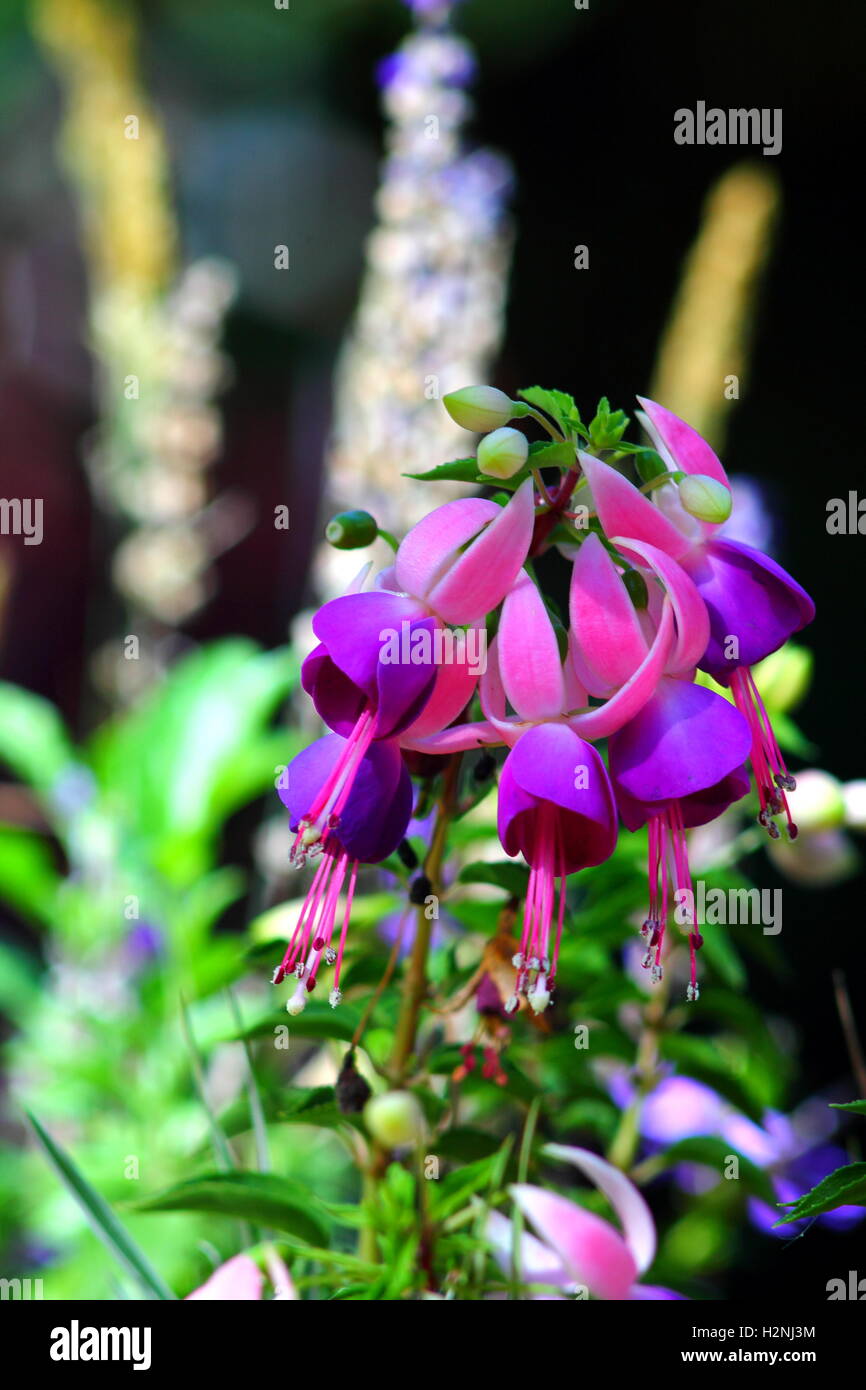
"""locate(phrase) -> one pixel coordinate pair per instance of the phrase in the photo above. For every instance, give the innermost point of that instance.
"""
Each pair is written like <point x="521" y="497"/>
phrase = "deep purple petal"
<point x="685" y="740"/>
<point x="550" y="764"/>
<point x="358" y="633"/>
<point x="377" y="811"/>
<point x="749" y="596"/>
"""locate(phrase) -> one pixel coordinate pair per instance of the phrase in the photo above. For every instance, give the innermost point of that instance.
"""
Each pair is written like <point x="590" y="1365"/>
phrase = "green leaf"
<point x="559" y="404"/>
<point x="102" y="1220"/>
<point x="264" y="1198"/>
<point x="854" y="1107"/>
<point x="505" y="874"/>
<point x="29" y="880"/>
<point x="33" y="738"/>
<point x="457" y="471"/>
<point x="551" y="455"/>
<point x="845" y="1187"/>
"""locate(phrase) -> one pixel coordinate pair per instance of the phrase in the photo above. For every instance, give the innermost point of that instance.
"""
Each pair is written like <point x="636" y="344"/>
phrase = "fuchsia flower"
<point x="753" y="605"/>
<point x="349" y="795"/>
<point x="240" y="1280"/>
<point x="577" y="1250"/>
<point x="678" y="761"/>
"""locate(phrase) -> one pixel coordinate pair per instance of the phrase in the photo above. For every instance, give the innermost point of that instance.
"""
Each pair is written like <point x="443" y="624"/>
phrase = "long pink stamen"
<point x="324" y="814"/>
<point x="772" y="777"/>
<point x="668" y="865"/>
<point x="535" y="970"/>
<point x="311" y="938"/>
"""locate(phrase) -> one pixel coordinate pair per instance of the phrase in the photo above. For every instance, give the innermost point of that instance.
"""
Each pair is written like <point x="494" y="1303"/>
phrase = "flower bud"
<point x="705" y="497"/>
<point x="783" y="677"/>
<point x="394" y="1119"/>
<point x="479" y="408"/>
<point x="817" y="802"/>
<point x="854" y="794"/>
<point x="503" y="453"/>
<point x="351" y="530"/>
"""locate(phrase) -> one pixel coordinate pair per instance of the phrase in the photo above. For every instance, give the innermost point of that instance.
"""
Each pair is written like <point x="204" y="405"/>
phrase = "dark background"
<point x="274" y="123"/>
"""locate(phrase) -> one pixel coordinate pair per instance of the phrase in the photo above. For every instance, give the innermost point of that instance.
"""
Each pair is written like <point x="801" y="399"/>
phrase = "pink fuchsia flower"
<point x="754" y="605"/>
<point x="574" y="1249"/>
<point x="678" y="761"/>
<point x="555" y="801"/>
<point x="367" y="815"/>
<point x="240" y="1280"/>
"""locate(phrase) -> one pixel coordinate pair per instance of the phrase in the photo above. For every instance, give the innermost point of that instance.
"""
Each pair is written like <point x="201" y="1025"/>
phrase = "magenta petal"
<point x="623" y="510"/>
<point x="454" y="688"/>
<point x="595" y="1254"/>
<point x="338" y="701"/>
<point x="604" y="622"/>
<point x="689" y="451"/>
<point x="479" y="579"/>
<point x="433" y="545"/>
<point x="550" y="764"/>
<point x="529" y="660"/>
<point x="377" y="811"/>
<point x="350" y="628"/>
<point x="750" y="597"/>
<point x="684" y="740"/>
<point x="693" y="623"/>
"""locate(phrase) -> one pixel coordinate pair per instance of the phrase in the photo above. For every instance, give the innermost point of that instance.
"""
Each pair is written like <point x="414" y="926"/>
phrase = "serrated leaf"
<point x="457" y="471"/>
<point x="559" y="404"/>
<point x="264" y="1198"/>
<point x="845" y="1187"/>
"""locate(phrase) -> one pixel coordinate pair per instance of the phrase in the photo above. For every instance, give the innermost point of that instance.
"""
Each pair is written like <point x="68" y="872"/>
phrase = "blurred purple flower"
<point x="792" y="1148"/>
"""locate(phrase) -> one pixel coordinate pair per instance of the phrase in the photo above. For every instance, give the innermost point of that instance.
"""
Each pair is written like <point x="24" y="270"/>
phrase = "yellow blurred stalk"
<point x="706" y="340"/>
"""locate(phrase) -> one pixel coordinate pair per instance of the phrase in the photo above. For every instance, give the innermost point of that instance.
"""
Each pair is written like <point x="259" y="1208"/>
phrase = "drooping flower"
<point x="678" y="761"/>
<point x="579" y="1252"/>
<point x="364" y="804"/>
<point x="387" y="662"/>
<point x="754" y="605"/>
<point x="555" y="801"/>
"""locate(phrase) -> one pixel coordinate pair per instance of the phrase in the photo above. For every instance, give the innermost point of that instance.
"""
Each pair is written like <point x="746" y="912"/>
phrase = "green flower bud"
<point x="503" y="453"/>
<point x="394" y="1119"/>
<point x="351" y="530"/>
<point x="705" y="498"/>
<point x="783" y="677"/>
<point x="817" y="802"/>
<point x="855" y="804"/>
<point x="479" y="408"/>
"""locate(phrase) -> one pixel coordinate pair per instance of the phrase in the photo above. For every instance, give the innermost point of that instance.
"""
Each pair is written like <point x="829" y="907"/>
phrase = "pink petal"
<point x="454" y="688"/>
<point x="458" y="739"/>
<point x="624" y="511"/>
<point x="435" y="542"/>
<point x="629" y="1205"/>
<point x="630" y="698"/>
<point x="690" y="611"/>
<point x="538" y="1265"/>
<point x="529" y="660"/>
<point x="690" y="453"/>
<point x="478" y="581"/>
<point x="239" y="1279"/>
<point x="595" y="1254"/>
<point x="604" y="622"/>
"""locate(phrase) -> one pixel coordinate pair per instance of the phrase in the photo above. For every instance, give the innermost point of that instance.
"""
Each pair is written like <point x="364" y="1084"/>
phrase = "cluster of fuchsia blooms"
<point x="655" y="596"/>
